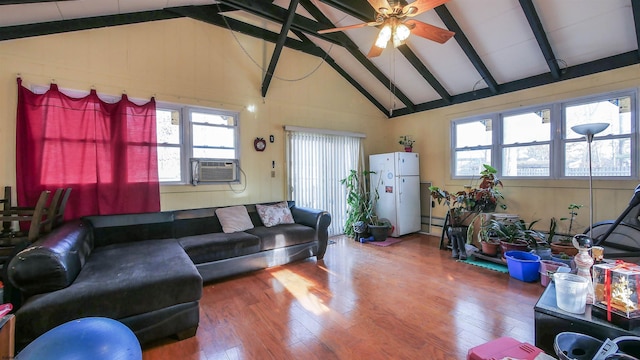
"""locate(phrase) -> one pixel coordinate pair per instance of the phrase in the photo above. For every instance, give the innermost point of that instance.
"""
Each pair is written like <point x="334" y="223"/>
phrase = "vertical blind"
<point x="316" y="164"/>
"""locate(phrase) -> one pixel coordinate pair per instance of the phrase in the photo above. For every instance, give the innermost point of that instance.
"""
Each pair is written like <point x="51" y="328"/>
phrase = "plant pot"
<point x="379" y="232"/>
<point x="543" y="252"/>
<point x="490" y="248"/>
<point x="568" y="262"/>
<point x="408" y="149"/>
<point x="547" y="269"/>
<point x="568" y="249"/>
<point x="518" y="245"/>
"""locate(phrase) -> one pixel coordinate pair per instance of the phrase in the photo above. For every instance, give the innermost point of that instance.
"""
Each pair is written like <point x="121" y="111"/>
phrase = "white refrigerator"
<point x="397" y="180"/>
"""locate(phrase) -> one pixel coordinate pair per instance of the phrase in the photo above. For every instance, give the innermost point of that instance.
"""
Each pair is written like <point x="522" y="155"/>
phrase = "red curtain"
<point x="105" y="152"/>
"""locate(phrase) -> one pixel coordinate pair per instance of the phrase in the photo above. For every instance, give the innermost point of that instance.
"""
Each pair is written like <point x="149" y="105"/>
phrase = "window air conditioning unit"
<point x="213" y="170"/>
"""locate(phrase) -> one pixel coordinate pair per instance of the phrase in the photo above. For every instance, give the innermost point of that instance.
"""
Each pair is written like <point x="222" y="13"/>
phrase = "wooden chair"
<point x="57" y="214"/>
<point x="6" y="209"/>
<point x="34" y="216"/>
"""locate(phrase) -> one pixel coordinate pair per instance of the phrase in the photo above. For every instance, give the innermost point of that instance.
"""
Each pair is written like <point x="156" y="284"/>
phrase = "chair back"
<point x="38" y="212"/>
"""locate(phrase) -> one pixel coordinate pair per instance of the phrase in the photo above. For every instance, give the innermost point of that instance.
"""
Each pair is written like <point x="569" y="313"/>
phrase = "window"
<point x="610" y="149"/>
<point x="204" y="133"/>
<point x="526" y="143"/>
<point x="473" y="144"/>
<point x="539" y="143"/>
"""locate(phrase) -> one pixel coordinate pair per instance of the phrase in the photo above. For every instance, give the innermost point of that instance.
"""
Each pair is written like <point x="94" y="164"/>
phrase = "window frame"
<point x="557" y="142"/>
<point x="186" y="138"/>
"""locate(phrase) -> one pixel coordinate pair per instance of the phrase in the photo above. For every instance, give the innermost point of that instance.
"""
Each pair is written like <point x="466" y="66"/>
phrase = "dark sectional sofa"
<point x="147" y="270"/>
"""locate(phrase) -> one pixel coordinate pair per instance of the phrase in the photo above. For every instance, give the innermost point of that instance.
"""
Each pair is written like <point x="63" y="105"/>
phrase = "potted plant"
<point x="359" y="205"/>
<point x="510" y="234"/>
<point x="562" y="244"/>
<point x="465" y="206"/>
<point x="361" y="215"/>
<point x="407" y="141"/>
<point x="488" y="243"/>
<point x="487" y="195"/>
<point x="537" y="242"/>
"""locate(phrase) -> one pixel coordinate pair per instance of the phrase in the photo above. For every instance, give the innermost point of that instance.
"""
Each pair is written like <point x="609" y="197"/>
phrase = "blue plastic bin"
<point x="523" y="266"/>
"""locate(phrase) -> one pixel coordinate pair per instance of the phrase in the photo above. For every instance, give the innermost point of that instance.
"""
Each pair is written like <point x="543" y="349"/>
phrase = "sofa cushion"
<point x="195" y="222"/>
<point x="234" y="219"/>
<point x="117" y="281"/>
<point x="114" y="229"/>
<point x="211" y="247"/>
<point x="283" y="235"/>
<point x="272" y="215"/>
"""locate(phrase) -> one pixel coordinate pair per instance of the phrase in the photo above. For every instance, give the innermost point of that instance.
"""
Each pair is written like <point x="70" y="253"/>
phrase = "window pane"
<point x="168" y="130"/>
<point x="213" y="119"/>
<point x="525" y="161"/>
<point x="469" y="163"/>
<point x="214" y="153"/>
<point x="615" y="112"/>
<point x="528" y="127"/>
<point x="168" y="163"/>
<point x="609" y="158"/>
<point x="204" y="135"/>
<point x="475" y="133"/>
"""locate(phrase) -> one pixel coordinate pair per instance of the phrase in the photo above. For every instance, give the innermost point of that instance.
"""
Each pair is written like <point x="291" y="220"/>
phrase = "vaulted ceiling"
<point x="499" y="46"/>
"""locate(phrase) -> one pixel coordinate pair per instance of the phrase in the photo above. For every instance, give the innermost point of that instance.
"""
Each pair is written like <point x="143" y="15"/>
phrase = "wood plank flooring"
<point x="406" y="301"/>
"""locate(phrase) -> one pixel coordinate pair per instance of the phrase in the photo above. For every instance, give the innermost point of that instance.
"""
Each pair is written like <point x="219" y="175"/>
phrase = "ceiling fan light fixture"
<point x="384" y="36"/>
<point x="400" y="33"/>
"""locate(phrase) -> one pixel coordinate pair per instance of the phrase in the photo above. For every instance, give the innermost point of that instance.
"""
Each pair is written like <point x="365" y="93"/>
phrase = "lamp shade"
<point x="590" y="129"/>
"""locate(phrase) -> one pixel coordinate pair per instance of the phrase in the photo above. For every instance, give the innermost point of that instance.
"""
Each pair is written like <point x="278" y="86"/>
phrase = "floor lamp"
<point x="583" y="243"/>
<point x="589" y="130"/>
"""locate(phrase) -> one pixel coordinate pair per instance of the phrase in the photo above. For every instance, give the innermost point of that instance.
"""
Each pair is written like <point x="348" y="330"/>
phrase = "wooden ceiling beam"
<point x="203" y="13"/>
<point x="635" y="8"/>
<point x="538" y="31"/>
<point x="62" y="26"/>
<point x="284" y="31"/>
<point x="464" y="43"/>
<point x="590" y="68"/>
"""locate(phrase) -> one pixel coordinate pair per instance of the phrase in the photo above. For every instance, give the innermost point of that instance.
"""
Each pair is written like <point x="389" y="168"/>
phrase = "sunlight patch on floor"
<point x="299" y="287"/>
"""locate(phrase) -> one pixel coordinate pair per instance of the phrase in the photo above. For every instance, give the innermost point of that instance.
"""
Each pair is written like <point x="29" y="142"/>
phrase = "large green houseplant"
<point x="361" y="203"/>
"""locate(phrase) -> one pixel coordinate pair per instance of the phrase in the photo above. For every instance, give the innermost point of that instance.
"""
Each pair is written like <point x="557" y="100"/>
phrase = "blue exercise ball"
<point x="94" y="338"/>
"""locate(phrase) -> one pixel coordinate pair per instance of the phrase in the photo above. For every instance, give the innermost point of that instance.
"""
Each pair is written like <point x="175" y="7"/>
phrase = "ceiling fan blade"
<point x="342" y="28"/>
<point x="381" y="6"/>
<point x="374" y="51"/>
<point x="429" y="31"/>
<point x="420" y="6"/>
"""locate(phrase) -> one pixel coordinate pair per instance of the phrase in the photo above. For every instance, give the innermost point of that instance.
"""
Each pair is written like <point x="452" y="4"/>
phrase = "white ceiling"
<point x="578" y="31"/>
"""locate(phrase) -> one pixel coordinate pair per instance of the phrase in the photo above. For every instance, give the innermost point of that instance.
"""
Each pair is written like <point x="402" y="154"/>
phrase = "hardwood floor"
<point x="406" y="301"/>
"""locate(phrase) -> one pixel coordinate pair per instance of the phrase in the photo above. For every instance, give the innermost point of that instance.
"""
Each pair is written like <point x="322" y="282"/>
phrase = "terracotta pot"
<point x="490" y="248"/>
<point x="519" y="245"/>
<point x="568" y="249"/>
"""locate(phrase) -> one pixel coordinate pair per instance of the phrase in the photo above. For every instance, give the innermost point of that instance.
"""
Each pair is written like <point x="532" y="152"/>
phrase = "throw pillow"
<point x="272" y="215"/>
<point x="234" y="219"/>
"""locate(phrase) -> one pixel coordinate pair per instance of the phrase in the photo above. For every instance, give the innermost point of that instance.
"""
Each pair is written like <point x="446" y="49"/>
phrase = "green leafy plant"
<point x="406" y="140"/>
<point x="554" y="223"/>
<point x="361" y="202"/>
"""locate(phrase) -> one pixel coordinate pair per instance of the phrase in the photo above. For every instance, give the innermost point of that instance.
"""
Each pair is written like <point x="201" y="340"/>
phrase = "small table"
<point x="549" y="321"/>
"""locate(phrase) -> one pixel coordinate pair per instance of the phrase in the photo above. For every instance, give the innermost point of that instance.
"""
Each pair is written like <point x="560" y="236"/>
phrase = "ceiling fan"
<point x="391" y="15"/>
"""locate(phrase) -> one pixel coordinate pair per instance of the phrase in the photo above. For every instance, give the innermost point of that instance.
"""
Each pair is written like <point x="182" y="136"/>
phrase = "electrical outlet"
<point x="273" y="173"/>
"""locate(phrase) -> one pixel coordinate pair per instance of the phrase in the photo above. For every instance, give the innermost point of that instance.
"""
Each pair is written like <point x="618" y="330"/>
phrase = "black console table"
<point x="550" y="320"/>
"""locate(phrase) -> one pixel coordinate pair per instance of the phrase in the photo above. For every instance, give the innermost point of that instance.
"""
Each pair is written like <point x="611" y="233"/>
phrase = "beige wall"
<point x="190" y="62"/>
<point x="531" y="199"/>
